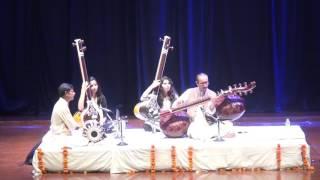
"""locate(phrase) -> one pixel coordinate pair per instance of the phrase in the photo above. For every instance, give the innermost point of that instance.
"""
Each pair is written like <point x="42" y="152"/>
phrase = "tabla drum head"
<point x="232" y="108"/>
<point x="93" y="131"/>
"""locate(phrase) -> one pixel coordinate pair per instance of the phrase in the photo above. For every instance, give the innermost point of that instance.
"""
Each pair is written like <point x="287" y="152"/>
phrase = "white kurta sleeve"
<point x="67" y="118"/>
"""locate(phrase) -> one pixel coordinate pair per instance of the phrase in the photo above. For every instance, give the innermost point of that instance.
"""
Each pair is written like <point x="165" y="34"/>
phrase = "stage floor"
<point x="18" y="137"/>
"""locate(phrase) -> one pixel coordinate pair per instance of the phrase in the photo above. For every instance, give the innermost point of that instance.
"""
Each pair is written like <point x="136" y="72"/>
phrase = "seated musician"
<point x="167" y="95"/>
<point x="63" y="129"/>
<point x="99" y="103"/>
<point x="200" y="127"/>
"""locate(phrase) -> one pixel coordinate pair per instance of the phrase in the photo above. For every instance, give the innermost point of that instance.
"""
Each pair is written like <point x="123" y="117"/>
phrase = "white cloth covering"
<point x="200" y="129"/>
<point x="252" y="147"/>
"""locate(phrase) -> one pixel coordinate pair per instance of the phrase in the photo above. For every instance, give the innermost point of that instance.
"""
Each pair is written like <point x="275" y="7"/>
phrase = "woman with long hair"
<point x="166" y="95"/>
<point x="96" y="96"/>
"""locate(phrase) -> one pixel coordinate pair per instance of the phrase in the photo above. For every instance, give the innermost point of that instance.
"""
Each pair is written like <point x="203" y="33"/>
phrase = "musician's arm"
<point x="183" y="98"/>
<point x="82" y="97"/>
<point x="145" y="94"/>
<point x="215" y="102"/>
<point x="210" y="107"/>
<point x="68" y="120"/>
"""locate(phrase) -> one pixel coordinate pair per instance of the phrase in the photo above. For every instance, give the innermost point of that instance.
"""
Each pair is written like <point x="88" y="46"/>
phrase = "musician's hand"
<point x="84" y="86"/>
<point x="178" y="103"/>
<point x="217" y="100"/>
<point x="165" y="109"/>
<point x="155" y="84"/>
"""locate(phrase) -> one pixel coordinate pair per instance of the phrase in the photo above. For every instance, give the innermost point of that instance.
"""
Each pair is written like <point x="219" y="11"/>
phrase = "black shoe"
<point x="148" y="128"/>
<point x="28" y="160"/>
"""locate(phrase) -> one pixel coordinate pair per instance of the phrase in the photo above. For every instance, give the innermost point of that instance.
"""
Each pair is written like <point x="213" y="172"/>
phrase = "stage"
<point x="252" y="147"/>
<point x="19" y="134"/>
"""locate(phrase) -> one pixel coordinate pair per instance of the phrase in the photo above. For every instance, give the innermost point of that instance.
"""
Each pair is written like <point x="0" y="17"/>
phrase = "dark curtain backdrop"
<point x="273" y="42"/>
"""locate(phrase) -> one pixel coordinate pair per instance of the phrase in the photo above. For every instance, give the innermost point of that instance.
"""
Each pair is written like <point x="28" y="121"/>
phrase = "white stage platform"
<point x="252" y="147"/>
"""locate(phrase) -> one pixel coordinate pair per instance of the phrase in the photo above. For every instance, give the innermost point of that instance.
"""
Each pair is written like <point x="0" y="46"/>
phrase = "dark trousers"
<point x="28" y="160"/>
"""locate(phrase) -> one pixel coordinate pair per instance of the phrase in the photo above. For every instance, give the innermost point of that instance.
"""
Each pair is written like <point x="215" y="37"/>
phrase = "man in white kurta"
<point x="199" y="127"/>
<point x="64" y="131"/>
<point x="62" y="121"/>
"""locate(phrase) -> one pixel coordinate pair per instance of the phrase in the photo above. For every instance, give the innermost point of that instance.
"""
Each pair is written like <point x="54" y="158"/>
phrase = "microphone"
<point x="105" y="109"/>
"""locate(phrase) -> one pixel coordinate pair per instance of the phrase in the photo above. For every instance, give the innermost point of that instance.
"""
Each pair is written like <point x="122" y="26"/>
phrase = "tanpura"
<point x="92" y="110"/>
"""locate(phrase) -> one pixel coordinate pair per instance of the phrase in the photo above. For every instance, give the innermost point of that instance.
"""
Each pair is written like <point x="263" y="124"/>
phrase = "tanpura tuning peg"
<point x="84" y="48"/>
<point x="245" y="84"/>
<point x="171" y="48"/>
<point x="230" y="88"/>
<point x="240" y="85"/>
<point x="73" y="44"/>
<point x="234" y="85"/>
<point x="160" y="39"/>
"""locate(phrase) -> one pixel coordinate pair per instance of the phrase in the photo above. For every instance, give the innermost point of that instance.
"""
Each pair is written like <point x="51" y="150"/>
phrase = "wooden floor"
<point x="19" y="134"/>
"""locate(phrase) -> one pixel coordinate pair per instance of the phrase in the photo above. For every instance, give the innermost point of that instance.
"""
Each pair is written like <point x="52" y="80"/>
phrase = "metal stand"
<point x="117" y="124"/>
<point x="107" y="113"/>
<point x="218" y="138"/>
<point x="120" y="128"/>
<point x="121" y="143"/>
<point x="218" y="120"/>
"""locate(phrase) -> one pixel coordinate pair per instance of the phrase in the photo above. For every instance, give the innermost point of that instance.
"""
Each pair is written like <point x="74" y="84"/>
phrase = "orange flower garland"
<point x="306" y="164"/>
<point x="65" y="160"/>
<point x="173" y="159"/>
<point x="190" y="158"/>
<point x="131" y="172"/>
<point x="153" y="159"/>
<point x="278" y="156"/>
<point x="40" y="161"/>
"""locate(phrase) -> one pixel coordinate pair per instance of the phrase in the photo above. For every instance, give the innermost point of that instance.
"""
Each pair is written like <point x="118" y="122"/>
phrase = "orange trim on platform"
<point x="278" y="156"/>
<point x="174" y="159"/>
<point x="41" y="164"/>
<point x="65" y="160"/>
<point x="152" y="159"/>
<point x="190" y="158"/>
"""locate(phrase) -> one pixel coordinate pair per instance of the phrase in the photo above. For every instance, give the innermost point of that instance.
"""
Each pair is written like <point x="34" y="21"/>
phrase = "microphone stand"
<point x="107" y="112"/>
<point x="107" y="124"/>
<point x="218" y="119"/>
<point x="120" y="122"/>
